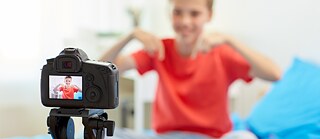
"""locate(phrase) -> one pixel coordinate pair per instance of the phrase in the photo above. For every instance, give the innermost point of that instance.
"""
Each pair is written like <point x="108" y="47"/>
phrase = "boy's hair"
<point x="68" y="77"/>
<point x="209" y="4"/>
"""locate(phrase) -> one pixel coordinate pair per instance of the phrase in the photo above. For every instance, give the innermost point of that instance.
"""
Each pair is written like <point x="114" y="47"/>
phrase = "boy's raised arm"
<point x="125" y="62"/>
<point x="55" y="89"/>
<point x="262" y="66"/>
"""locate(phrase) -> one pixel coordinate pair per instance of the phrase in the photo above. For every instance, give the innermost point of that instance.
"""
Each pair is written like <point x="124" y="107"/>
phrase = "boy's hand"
<point x="150" y="42"/>
<point x="208" y="41"/>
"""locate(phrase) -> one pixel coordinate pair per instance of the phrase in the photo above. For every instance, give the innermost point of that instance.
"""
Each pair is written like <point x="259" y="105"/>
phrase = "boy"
<point x="195" y="71"/>
<point x="67" y="89"/>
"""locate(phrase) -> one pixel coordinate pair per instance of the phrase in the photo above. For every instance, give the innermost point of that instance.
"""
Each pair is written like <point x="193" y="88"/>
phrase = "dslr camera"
<point x="73" y="81"/>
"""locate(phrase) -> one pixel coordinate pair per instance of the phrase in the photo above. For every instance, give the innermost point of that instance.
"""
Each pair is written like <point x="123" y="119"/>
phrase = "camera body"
<point x="71" y="80"/>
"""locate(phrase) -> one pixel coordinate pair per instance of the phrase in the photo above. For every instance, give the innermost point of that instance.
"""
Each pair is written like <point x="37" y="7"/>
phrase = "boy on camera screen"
<point x="67" y="88"/>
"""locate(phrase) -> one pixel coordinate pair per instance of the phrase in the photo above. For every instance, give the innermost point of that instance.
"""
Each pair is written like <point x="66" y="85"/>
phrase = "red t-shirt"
<point x="68" y="93"/>
<point x="192" y="93"/>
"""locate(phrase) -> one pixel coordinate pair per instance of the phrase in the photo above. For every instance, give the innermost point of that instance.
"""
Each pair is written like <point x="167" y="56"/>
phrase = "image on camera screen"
<point x="65" y="87"/>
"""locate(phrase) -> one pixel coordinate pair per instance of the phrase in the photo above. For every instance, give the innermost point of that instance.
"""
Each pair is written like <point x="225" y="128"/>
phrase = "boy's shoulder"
<point x="224" y="48"/>
<point x="168" y="42"/>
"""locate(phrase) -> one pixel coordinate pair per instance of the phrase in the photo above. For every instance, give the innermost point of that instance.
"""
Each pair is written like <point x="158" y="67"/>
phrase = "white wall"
<point x="280" y="29"/>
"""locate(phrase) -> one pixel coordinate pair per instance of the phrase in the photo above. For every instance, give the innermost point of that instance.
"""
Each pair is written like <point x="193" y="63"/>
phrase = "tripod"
<point x="95" y="121"/>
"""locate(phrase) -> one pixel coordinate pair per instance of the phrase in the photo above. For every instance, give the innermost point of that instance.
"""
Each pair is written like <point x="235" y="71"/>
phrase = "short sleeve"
<point x="75" y="89"/>
<point x="236" y="66"/>
<point x="143" y="61"/>
<point x="60" y="88"/>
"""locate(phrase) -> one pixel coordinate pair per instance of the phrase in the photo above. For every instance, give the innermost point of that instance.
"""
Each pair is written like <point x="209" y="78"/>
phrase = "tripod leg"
<point x="88" y="133"/>
<point x="51" y="123"/>
<point x="100" y="134"/>
<point x="61" y="127"/>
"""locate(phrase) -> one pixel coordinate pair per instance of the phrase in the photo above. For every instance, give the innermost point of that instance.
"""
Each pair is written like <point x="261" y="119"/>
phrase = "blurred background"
<point x="35" y="30"/>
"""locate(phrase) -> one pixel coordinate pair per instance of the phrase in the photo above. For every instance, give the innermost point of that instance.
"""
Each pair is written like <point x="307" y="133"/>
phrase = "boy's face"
<point x="67" y="81"/>
<point x="189" y="17"/>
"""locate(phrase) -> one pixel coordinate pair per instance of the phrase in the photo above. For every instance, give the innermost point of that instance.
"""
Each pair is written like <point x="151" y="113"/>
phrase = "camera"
<point x="72" y="80"/>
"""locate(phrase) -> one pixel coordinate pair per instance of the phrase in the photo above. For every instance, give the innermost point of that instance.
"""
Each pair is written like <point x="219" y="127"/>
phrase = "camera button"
<point x="89" y="77"/>
<point x="113" y="67"/>
<point x="93" y="94"/>
<point x="88" y="85"/>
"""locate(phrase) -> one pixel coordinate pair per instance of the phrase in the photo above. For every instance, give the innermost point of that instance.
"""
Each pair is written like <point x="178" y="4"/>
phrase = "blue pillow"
<point x="77" y="95"/>
<point x="291" y="109"/>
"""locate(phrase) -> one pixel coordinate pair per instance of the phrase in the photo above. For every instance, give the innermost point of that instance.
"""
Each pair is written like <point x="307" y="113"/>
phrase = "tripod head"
<point x="95" y="121"/>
